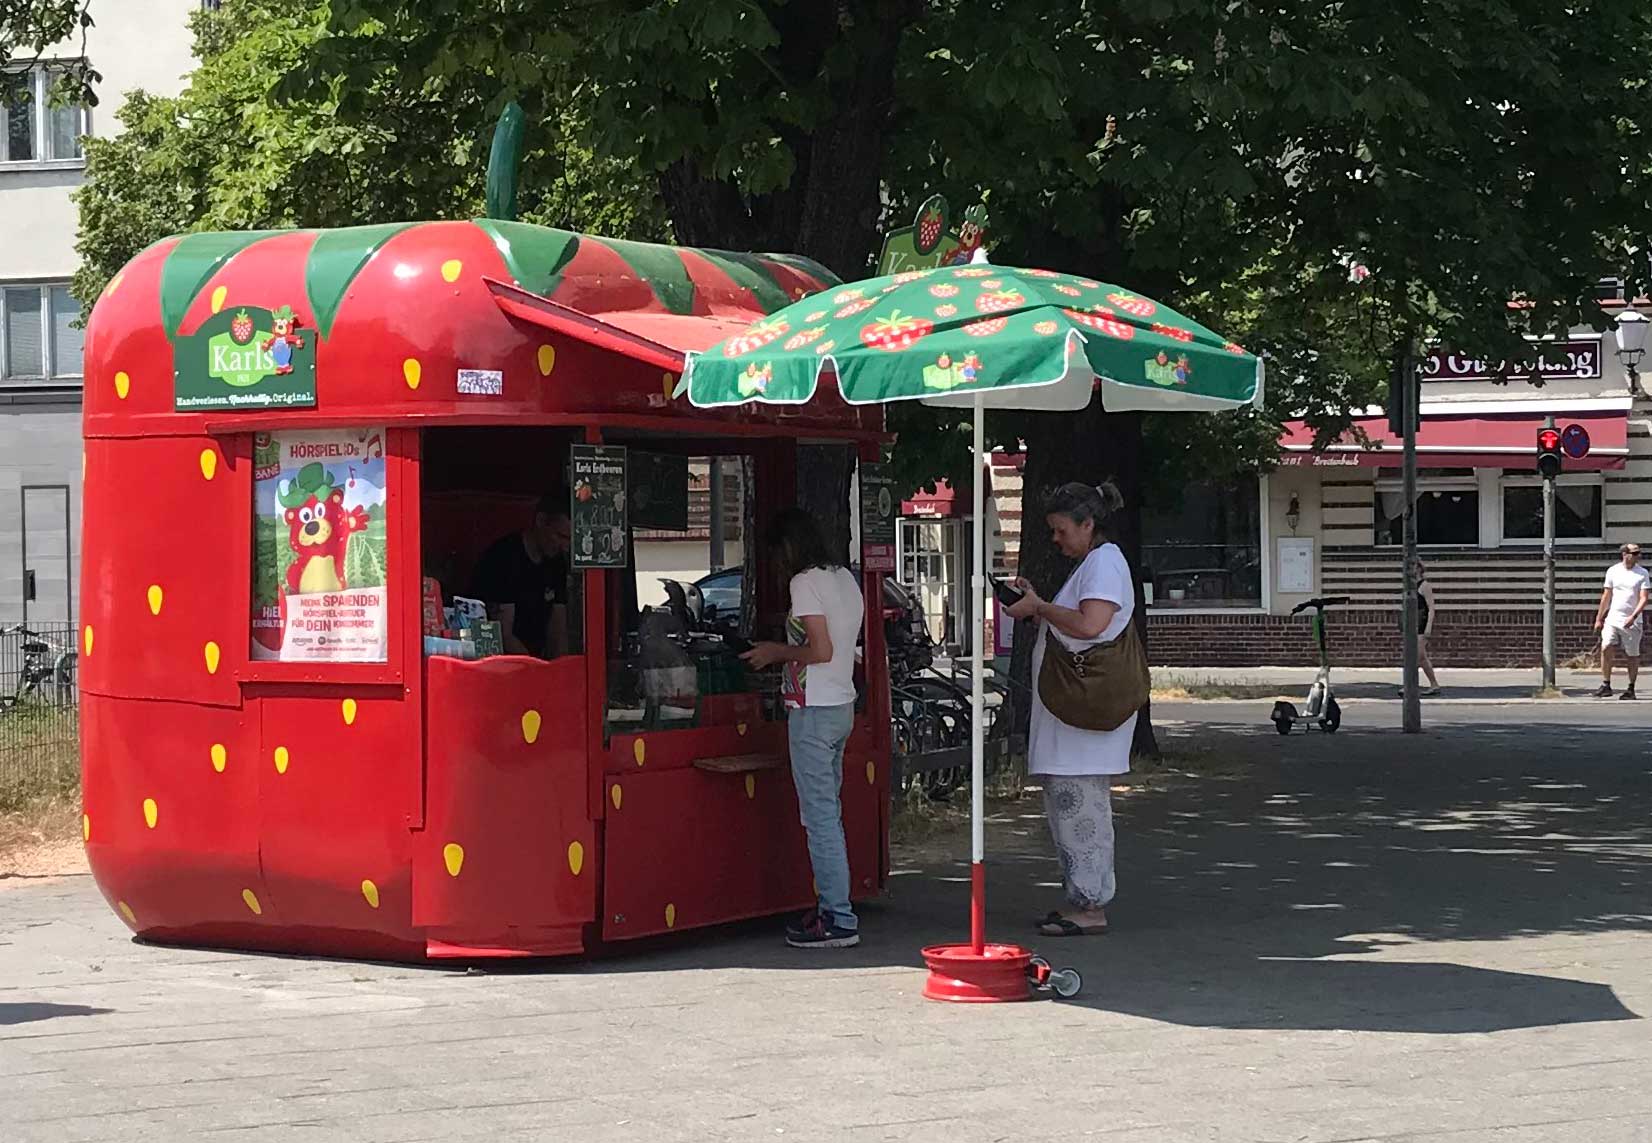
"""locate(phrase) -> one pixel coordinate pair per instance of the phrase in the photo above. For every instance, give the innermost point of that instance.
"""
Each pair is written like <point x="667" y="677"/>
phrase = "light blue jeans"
<point x="817" y="735"/>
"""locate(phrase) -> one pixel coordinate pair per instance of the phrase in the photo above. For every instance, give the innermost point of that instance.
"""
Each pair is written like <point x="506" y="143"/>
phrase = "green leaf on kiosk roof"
<point x="663" y="270"/>
<point x="535" y="255"/>
<point x="190" y="265"/>
<point x="748" y="270"/>
<point x="335" y="260"/>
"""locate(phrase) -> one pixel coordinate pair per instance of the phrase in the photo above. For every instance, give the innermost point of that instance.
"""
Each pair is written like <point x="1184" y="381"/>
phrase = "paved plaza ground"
<point x="1365" y="936"/>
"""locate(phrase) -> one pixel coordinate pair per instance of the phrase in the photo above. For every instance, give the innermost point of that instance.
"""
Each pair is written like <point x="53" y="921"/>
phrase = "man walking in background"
<point x="1618" y="620"/>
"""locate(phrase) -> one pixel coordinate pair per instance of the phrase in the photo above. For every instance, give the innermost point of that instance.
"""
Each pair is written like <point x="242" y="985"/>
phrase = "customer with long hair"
<point x="817" y="664"/>
<point x="1094" y="607"/>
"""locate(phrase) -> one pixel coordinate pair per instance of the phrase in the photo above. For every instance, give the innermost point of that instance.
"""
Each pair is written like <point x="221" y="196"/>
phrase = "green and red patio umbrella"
<point x="979" y="336"/>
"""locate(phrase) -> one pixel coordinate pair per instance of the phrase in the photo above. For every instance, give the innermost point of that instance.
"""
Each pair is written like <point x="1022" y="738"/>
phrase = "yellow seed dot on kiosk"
<point x="668" y="384"/>
<point x="348" y="709"/>
<point x="219" y="756"/>
<point x="88" y="641"/>
<point x="751" y="785"/>
<point x="251" y="899"/>
<point x="547" y="359"/>
<point x="209" y="463"/>
<point x="114" y="284"/>
<point x="531" y="722"/>
<point x="451" y="269"/>
<point x="639" y="751"/>
<point x="218" y="298"/>
<point x="453" y="856"/>
<point x="411" y="371"/>
<point x="126" y="911"/>
<point x="123" y="385"/>
<point x="742" y="728"/>
<point x="616" y="795"/>
<point x="213" y="657"/>
<point x="155" y="597"/>
<point x="576" y="857"/>
<point x="871" y="773"/>
<point x="151" y="812"/>
<point x="282" y="758"/>
<point x="671" y="916"/>
<point x="371" y="892"/>
<point x="85" y="827"/>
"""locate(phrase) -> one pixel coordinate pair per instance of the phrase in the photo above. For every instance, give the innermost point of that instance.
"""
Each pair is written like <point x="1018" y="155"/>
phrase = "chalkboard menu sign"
<point x="877" y="518"/>
<point x="659" y="491"/>
<point x="598" y="506"/>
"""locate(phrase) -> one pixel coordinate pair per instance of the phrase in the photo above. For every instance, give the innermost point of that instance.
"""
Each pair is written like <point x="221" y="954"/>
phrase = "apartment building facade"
<point x="132" y="44"/>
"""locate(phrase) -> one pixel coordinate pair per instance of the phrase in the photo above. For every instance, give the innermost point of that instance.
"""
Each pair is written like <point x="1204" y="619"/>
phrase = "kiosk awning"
<point x="660" y="339"/>
<point x="1500" y="441"/>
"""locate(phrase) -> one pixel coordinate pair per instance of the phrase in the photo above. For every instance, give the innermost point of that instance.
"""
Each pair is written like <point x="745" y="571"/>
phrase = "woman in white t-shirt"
<point x="1094" y="606"/>
<point x="817" y="664"/>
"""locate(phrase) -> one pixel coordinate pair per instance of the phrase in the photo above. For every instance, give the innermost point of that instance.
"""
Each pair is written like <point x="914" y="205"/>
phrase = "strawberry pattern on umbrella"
<point x="925" y="333"/>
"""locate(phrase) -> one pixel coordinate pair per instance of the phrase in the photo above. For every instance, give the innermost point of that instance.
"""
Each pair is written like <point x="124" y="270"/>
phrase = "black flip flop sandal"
<point x="1055" y="925"/>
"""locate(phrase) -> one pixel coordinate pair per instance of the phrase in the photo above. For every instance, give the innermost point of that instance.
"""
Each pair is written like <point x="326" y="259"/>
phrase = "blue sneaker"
<point x="816" y="932"/>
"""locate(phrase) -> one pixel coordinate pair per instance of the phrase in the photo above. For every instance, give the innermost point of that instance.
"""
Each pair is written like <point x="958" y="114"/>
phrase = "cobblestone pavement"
<point x="1359" y="937"/>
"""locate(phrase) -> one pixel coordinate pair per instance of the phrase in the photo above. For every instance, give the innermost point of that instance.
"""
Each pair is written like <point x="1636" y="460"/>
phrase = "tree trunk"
<point x="1088" y="447"/>
<point x="823" y="475"/>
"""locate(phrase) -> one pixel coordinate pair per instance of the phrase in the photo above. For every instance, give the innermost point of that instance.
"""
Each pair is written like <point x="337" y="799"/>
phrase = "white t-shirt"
<point x="1627" y="585"/>
<point x="835" y="594"/>
<point x="1054" y="747"/>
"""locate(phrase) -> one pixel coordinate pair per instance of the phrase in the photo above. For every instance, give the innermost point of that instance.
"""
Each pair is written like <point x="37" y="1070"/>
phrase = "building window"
<point x="1206" y="550"/>
<point x="38" y="339"/>
<point x="1578" y="513"/>
<point x="33" y="127"/>
<point x="1448" y="508"/>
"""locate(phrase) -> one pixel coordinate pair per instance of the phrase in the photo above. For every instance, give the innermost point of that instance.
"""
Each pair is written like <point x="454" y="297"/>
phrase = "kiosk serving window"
<point x="680" y="611"/>
<point x="320" y="566"/>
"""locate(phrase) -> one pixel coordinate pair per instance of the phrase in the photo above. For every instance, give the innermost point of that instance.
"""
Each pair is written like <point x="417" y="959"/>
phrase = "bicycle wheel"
<point x="63" y="678"/>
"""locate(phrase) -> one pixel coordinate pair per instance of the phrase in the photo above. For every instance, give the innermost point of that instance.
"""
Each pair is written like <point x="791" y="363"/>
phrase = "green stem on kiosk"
<point x="503" y="161"/>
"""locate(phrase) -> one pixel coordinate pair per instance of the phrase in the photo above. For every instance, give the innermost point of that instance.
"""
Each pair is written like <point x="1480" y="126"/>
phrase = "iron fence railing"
<point x="39" y="711"/>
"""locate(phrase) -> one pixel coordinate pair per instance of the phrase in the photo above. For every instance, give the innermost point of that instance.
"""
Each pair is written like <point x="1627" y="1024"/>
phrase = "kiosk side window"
<point x="321" y="554"/>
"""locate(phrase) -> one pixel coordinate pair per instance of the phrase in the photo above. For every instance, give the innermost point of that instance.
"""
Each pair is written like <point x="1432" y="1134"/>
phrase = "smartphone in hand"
<point x="1007" y="595"/>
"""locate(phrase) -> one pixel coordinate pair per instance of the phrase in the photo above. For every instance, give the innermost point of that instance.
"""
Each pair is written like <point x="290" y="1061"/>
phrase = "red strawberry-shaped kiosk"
<point x="286" y="760"/>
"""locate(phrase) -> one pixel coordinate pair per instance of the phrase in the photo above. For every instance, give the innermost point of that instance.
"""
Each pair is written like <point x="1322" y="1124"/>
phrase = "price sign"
<point x="597" y="508"/>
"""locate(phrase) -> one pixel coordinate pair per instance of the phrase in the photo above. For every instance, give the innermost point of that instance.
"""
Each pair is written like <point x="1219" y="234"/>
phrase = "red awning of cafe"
<point x="941" y="502"/>
<point x="1500" y="441"/>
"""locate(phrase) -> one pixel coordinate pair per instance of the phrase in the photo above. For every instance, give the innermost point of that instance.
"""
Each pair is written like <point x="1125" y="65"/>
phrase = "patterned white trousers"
<point x="1080" y="809"/>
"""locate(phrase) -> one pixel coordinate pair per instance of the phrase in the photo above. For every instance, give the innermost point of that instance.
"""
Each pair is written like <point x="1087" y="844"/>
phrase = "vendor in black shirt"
<point x="523" y="578"/>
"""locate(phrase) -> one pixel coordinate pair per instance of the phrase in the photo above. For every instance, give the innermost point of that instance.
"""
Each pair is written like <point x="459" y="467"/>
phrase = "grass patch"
<point x="1171" y="685"/>
<point x="39" y="756"/>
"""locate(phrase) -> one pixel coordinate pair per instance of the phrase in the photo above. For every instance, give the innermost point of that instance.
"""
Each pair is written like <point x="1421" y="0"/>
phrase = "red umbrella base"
<point x="960" y="974"/>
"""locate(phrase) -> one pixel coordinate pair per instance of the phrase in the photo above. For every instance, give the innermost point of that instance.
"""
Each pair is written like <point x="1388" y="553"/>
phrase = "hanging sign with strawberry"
<point x="246" y="358"/>
<point x="937" y="237"/>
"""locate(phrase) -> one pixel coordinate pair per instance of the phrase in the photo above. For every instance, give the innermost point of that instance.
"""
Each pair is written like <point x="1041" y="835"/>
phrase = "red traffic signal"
<point x="1548" y="453"/>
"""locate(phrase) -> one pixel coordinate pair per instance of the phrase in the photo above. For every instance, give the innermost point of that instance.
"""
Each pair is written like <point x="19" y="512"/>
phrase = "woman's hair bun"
<point x="1111" y="498"/>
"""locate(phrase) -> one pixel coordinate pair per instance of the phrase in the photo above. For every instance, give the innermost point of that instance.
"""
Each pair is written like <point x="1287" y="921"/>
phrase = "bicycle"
<point x="47" y="674"/>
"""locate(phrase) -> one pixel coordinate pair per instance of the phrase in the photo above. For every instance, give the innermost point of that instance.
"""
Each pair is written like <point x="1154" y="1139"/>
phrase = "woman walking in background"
<point x="1425" y="626"/>
<point x="1093" y="609"/>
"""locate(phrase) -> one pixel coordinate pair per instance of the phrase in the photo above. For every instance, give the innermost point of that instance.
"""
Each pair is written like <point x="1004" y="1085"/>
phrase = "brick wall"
<point x="1363" y="638"/>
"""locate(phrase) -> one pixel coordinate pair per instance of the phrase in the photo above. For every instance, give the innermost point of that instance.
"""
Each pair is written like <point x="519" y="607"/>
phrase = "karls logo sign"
<point x="247" y="358"/>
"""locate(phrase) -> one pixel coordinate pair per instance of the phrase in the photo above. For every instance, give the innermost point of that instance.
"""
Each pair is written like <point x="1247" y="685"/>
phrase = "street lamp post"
<point x="1632" y="330"/>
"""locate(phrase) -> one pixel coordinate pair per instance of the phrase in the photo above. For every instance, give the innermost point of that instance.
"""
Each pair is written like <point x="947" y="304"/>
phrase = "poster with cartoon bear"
<point x="319" y="556"/>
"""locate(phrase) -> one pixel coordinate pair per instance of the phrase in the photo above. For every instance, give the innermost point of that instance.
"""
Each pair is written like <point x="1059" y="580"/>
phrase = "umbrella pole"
<point x="977" y="705"/>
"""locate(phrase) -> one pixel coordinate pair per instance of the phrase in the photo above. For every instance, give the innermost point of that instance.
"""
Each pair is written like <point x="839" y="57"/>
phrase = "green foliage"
<point x="226" y="155"/>
<point x="30" y="30"/>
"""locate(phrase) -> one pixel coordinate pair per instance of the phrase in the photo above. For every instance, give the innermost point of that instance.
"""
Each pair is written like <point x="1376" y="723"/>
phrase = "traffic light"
<point x="1548" y="452"/>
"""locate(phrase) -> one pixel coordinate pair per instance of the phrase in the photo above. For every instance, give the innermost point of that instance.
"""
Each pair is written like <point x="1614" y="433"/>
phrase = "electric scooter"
<point x="1322" y="703"/>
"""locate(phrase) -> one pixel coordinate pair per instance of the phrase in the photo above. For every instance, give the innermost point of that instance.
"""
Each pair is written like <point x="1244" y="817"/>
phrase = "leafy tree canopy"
<point x="223" y="155"/>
